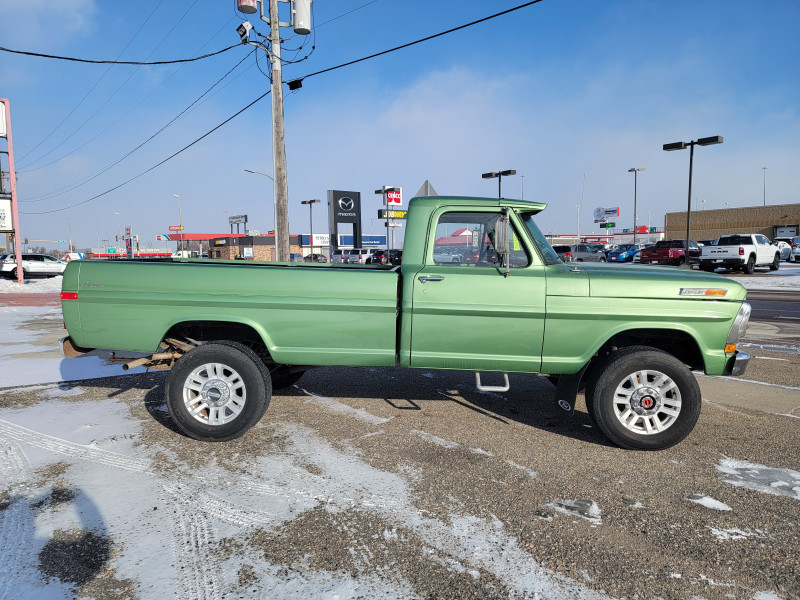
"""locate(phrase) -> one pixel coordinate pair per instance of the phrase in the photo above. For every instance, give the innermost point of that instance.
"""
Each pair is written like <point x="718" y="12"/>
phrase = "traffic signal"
<point x="26" y="240"/>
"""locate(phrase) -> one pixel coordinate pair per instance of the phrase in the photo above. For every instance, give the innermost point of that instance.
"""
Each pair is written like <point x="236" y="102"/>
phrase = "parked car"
<point x="340" y="256"/>
<point x="707" y="242"/>
<point x="448" y="254"/>
<point x="670" y="252"/>
<point x="588" y="252"/>
<point x="395" y="257"/>
<point x="378" y="257"/>
<point x="359" y="256"/>
<point x="316" y="257"/>
<point x="33" y="265"/>
<point x="564" y="252"/>
<point x="785" y="248"/>
<point x="623" y="253"/>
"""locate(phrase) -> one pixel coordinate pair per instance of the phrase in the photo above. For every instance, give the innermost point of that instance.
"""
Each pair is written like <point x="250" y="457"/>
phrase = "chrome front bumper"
<point x="740" y="363"/>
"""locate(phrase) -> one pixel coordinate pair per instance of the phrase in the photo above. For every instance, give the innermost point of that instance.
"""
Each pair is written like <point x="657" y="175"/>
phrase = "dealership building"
<point x="781" y="220"/>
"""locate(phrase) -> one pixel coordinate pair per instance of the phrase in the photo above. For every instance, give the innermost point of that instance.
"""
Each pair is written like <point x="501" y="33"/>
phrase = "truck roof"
<point x="436" y="201"/>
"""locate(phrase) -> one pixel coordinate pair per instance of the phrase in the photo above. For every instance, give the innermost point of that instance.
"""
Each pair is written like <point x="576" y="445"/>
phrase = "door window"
<point x="467" y="239"/>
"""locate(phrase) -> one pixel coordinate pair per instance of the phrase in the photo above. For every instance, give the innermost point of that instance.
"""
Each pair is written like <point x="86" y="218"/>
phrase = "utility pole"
<point x="301" y="16"/>
<point x="278" y="140"/>
<point x="5" y="131"/>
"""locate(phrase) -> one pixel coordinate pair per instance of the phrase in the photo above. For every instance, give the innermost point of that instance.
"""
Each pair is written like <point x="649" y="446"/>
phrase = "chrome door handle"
<point x="427" y="278"/>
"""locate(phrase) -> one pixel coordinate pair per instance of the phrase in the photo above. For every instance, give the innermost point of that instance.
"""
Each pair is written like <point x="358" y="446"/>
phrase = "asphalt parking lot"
<point x="392" y="483"/>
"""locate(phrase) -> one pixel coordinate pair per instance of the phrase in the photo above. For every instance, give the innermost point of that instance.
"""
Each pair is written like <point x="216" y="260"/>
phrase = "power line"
<point x="135" y="35"/>
<point x="75" y="185"/>
<point x="352" y="62"/>
<point x="425" y="39"/>
<point x="120" y="62"/>
<point x="100" y="195"/>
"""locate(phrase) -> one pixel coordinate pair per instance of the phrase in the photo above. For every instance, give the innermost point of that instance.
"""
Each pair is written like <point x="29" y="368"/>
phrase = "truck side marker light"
<point x="730" y="348"/>
<point x="69" y="295"/>
<point x="703" y="292"/>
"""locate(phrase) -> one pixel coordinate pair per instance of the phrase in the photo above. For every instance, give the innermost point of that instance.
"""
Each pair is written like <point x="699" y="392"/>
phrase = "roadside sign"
<point x="395" y="198"/>
<point x="607" y="225"/>
<point x="176" y="227"/>
<point x="391" y="214"/>
<point x="611" y="212"/>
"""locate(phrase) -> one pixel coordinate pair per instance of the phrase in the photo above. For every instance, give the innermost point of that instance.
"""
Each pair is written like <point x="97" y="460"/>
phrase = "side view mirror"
<point x="501" y="239"/>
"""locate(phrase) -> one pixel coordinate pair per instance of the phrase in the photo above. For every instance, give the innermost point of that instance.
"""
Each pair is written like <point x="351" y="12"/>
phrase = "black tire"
<point x="776" y="263"/>
<point x="243" y="394"/>
<point x="750" y="266"/>
<point x="602" y="260"/>
<point x="681" y="261"/>
<point x="675" y="403"/>
<point x="14" y="273"/>
<point x="707" y="269"/>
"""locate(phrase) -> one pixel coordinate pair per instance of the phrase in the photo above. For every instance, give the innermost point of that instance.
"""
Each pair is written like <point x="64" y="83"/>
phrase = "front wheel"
<point x="776" y="263"/>
<point x="643" y="399"/>
<point x="217" y="391"/>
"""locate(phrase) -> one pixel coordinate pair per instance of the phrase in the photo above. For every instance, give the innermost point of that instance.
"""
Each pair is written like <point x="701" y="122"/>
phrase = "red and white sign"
<point x="395" y="198"/>
<point x="176" y="227"/>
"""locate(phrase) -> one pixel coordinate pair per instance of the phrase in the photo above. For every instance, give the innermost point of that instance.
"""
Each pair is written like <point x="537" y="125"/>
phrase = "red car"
<point x="670" y="252"/>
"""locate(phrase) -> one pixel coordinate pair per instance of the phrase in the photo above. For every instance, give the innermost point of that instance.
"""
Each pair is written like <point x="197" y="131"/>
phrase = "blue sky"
<point x="558" y="91"/>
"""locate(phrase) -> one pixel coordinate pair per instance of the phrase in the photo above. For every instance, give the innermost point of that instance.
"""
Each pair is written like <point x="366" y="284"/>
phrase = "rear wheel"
<point x="750" y="266"/>
<point x="776" y="263"/>
<point x="643" y="398"/>
<point x="217" y="391"/>
<point x="14" y="273"/>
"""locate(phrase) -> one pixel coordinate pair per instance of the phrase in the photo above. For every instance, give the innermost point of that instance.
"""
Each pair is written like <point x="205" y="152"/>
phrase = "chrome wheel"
<point x="214" y="394"/>
<point x="647" y="402"/>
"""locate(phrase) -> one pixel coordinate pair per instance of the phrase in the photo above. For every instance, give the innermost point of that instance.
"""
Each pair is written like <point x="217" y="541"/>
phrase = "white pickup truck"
<point x="741" y="252"/>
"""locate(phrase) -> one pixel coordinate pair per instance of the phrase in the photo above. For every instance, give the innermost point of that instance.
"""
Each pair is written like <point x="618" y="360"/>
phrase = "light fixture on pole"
<point x="180" y="222"/>
<point x="499" y="176"/>
<point x="119" y="226"/>
<point x="384" y="191"/>
<point x="706" y="141"/>
<point x="635" y="172"/>
<point x="274" y="209"/>
<point x="310" y="224"/>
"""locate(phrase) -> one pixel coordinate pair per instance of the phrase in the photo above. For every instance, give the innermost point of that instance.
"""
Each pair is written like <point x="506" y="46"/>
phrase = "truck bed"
<point x="348" y="312"/>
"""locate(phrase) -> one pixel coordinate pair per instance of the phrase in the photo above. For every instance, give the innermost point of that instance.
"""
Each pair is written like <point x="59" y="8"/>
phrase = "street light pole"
<point x="764" y="169"/>
<point x="635" y="172"/>
<point x="707" y="141"/>
<point x="274" y="211"/>
<point x="180" y="221"/>
<point x="499" y="176"/>
<point x="310" y="224"/>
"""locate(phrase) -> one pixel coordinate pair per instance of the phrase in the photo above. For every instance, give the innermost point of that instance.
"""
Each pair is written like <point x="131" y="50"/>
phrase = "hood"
<point x="661" y="282"/>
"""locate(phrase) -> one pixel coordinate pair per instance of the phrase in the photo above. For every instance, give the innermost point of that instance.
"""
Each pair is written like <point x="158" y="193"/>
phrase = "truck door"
<point x="467" y="314"/>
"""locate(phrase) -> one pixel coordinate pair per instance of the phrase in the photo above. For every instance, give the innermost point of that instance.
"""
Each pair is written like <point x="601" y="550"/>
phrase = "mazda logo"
<point x="346" y="203"/>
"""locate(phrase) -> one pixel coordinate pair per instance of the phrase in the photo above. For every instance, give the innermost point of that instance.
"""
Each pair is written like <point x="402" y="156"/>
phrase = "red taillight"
<point x="69" y="295"/>
<point x="741" y="251"/>
<point x="568" y="254"/>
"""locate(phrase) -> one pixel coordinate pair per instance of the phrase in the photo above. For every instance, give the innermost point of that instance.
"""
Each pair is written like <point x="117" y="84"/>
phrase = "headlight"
<point x="738" y="328"/>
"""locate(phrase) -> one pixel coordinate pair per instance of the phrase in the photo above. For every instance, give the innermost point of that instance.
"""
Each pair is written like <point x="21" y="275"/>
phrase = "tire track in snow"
<point x="71" y="449"/>
<point x="193" y="538"/>
<point x="15" y="470"/>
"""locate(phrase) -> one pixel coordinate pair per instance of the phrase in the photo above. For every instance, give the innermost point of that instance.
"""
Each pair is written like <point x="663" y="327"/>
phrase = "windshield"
<point x="626" y="247"/>
<point x="549" y="256"/>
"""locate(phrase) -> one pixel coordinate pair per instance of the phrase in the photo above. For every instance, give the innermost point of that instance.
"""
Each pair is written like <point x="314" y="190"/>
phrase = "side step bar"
<point x="492" y="388"/>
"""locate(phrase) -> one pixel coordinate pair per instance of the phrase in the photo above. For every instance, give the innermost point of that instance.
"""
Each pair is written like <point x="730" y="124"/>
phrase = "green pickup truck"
<point x="231" y="332"/>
